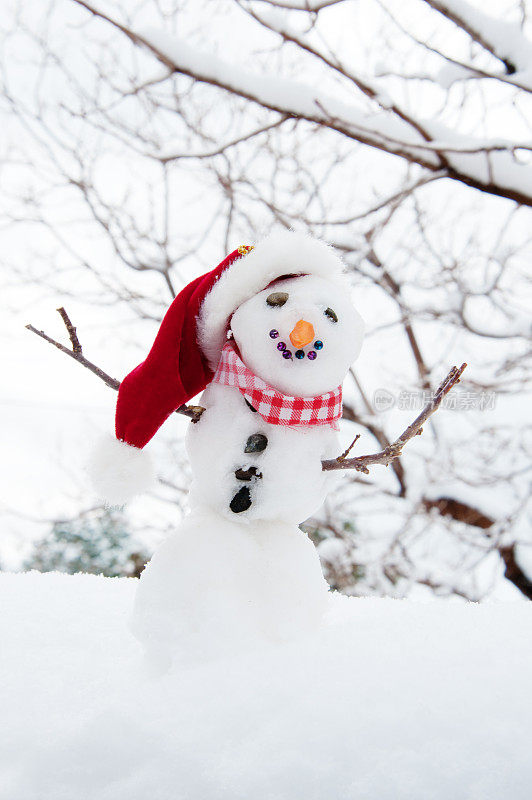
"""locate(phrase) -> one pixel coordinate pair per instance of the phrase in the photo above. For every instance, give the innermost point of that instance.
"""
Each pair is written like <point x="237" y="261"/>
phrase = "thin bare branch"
<point x="394" y="450"/>
<point x="310" y="6"/>
<point x="76" y="347"/>
<point x="222" y="148"/>
<point x="193" y="412"/>
<point x="346" y="452"/>
<point x="111" y="382"/>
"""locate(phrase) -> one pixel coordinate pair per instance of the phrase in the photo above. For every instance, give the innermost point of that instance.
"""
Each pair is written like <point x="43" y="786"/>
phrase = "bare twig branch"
<point x="76" y="347"/>
<point x="111" y="382"/>
<point x="223" y="147"/>
<point x="311" y="6"/>
<point x="193" y="412"/>
<point x="348" y="449"/>
<point x="394" y="450"/>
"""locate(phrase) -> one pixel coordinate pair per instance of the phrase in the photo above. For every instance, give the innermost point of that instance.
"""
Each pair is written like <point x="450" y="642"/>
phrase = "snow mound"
<point x="218" y="586"/>
<point x="388" y="700"/>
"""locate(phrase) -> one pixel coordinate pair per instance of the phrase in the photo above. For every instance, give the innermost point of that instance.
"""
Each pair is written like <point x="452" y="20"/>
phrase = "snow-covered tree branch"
<point x="489" y="166"/>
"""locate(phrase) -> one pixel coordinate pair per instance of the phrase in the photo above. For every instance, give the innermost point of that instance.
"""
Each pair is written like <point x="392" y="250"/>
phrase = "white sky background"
<point x="52" y="408"/>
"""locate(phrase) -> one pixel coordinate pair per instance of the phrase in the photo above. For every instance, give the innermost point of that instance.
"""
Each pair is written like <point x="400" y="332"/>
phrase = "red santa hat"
<point x="187" y="348"/>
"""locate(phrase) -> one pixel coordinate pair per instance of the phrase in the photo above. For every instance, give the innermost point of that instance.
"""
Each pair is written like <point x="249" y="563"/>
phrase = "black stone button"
<point x="241" y="501"/>
<point x="247" y="474"/>
<point x="256" y="443"/>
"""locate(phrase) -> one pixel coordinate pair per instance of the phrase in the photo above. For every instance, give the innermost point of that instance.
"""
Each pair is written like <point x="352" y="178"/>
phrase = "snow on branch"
<point x="363" y="84"/>
<point x="389" y="130"/>
<point x="504" y="40"/>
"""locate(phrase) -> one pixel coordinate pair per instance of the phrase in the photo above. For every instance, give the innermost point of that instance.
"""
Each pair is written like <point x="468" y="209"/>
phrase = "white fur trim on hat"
<point x="282" y="253"/>
<point x="118" y="471"/>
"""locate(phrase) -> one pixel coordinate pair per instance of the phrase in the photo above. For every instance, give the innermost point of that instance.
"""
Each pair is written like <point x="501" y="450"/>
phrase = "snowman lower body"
<point x="217" y="586"/>
<point x="227" y="580"/>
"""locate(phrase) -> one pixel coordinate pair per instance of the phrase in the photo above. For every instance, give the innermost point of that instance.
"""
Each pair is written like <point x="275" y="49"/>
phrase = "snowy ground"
<point x="390" y="700"/>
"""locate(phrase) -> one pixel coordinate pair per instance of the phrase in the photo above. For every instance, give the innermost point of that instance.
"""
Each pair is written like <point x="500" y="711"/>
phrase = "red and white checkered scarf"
<point x="273" y="406"/>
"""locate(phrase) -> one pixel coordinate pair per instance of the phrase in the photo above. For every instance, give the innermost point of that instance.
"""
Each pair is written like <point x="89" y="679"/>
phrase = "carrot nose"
<point x="302" y="334"/>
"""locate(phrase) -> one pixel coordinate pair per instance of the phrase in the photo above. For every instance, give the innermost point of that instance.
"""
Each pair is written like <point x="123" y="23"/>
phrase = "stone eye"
<point x="331" y="314"/>
<point x="277" y="298"/>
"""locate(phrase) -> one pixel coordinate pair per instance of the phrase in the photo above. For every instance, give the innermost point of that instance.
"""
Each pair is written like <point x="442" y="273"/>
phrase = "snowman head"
<point x="300" y="335"/>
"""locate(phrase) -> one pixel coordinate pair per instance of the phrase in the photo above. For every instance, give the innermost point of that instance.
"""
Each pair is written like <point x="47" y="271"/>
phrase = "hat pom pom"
<point x="119" y="471"/>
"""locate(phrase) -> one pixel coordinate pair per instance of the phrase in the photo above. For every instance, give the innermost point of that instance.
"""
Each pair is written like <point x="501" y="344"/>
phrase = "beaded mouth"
<point x="299" y="354"/>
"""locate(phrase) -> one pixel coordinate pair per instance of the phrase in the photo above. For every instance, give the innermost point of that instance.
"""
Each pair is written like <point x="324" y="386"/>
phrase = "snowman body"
<point x="216" y="587"/>
<point x="238" y="459"/>
<point x="238" y="569"/>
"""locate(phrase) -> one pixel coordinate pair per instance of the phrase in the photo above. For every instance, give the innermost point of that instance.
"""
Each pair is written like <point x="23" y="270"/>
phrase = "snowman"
<point x="268" y="336"/>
